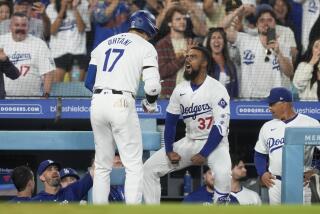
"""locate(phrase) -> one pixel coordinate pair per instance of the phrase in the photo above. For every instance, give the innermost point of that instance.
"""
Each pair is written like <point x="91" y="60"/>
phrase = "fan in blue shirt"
<point x="48" y="172"/>
<point x="203" y="194"/>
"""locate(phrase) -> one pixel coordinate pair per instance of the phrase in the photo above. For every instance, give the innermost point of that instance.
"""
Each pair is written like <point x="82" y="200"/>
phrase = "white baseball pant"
<point x="115" y="122"/>
<point x="159" y="165"/>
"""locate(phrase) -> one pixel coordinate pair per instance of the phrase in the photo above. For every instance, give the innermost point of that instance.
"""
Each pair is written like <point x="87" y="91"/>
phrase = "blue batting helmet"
<point x="145" y="21"/>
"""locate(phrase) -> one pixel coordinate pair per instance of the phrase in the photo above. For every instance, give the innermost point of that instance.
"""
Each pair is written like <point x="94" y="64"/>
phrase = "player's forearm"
<point x="260" y="162"/>
<point x="213" y="141"/>
<point x="170" y="131"/>
<point x="285" y="65"/>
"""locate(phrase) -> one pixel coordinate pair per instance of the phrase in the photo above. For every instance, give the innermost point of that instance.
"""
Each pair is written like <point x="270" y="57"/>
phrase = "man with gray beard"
<point x="48" y="172"/>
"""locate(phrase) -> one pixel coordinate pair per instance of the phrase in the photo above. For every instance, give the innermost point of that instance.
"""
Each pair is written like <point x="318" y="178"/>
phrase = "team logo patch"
<point x="222" y="103"/>
<point x="248" y="57"/>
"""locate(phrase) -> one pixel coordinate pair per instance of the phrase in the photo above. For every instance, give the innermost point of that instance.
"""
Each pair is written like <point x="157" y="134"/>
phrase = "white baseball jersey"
<point x="202" y="108"/>
<point x="68" y="39"/>
<point x="247" y="197"/>
<point x="310" y="13"/>
<point x="120" y="60"/>
<point x="33" y="58"/>
<point x="257" y="76"/>
<point x="271" y="140"/>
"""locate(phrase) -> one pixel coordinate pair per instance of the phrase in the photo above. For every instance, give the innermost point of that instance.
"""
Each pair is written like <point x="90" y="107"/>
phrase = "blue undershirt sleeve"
<point x="91" y="77"/>
<point x="170" y="131"/>
<point x="213" y="141"/>
<point x="260" y="161"/>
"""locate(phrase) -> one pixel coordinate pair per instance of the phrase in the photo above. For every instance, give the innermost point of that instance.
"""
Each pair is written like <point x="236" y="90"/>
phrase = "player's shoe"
<point x="315" y="188"/>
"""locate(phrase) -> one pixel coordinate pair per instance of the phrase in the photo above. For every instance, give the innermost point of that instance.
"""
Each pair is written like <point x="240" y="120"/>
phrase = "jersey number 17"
<point x="116" y="54"/>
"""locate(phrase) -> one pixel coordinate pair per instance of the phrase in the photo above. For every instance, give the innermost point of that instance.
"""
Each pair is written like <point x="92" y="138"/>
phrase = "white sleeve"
<point x="45" y="60"/>
<point x="221" y="112"/>
<point x="261" y="145"/>
<point x="174" y="104"/>
<point x="151" y="57"/>
<point x="302" y="76"/>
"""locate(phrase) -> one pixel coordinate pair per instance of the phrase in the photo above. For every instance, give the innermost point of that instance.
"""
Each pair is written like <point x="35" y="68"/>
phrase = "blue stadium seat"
<point x="69" y="89"/>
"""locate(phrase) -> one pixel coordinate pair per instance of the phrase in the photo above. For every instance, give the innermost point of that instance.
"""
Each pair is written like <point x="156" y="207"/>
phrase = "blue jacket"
<point x="20" y="199"/>
<point x="201" y="195"/>
<point x="72" y="193"/>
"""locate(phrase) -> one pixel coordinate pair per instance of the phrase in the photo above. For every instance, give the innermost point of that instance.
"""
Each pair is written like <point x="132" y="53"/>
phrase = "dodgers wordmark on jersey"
<point x="202" y="108"/>
<point x="120" y="67"/>
<point x="271" y="140"/>
<point x="33" y="58"/>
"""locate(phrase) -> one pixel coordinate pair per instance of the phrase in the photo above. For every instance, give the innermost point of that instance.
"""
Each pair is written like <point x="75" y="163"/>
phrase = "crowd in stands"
<point x="235" y="32"/>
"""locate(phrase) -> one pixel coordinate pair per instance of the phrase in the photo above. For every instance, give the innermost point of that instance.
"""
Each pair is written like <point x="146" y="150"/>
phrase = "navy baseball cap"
<point x="45" y="164"/>
<point x="68" y="172"/>
<point x="279" y="94"/>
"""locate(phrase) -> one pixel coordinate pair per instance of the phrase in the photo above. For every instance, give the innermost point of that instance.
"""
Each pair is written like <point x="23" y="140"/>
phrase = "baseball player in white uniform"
<point x="203" y="103"/>
<point x="31" y="56"/>
<point x="113" y="75"/>
<point x="271" y="140"/>
<point x="243" y="195"/>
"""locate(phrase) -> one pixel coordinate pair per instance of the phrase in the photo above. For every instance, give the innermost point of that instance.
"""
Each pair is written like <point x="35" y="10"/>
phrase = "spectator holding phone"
<point x="265" y="58"/>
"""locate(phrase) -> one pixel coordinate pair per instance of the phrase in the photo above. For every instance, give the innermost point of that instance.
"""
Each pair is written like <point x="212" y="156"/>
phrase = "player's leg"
<point x="275" y="193"/>
<point x="219" y="162"/>
<point x="159" y="165"/>
<point x="104" y="149"/>
<point x="127" y="135"/>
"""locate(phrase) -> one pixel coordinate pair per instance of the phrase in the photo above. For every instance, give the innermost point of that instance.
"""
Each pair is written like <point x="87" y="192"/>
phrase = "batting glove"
<point x="149" y="107"/>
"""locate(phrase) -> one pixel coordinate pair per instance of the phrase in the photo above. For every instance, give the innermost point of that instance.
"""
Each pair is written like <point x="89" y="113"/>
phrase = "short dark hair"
<point x="206" y="54"/>
<point x="19" y="14"/>
<point x="20" y="176"/>
<point x="235" y="160"/>
<point x="262" y="9"/>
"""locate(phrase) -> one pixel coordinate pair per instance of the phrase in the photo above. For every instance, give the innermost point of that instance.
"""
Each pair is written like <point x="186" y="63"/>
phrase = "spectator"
<point x="31" y="56"/>
<point x="243" y="195"/>
<point x="7" y="68"/>
<point x="203" y="194"/>
<point x="48" y="172"/>
<point x="23" y="179"/>
<point x="68" y="176"/>
<point x="223" y="68"/>
<point x="110" y="18"/>
<point x="68" y="23"/>
<point x="171" y="50"/>
<point x="307" y="76"/>
<point x="264" y="64"/>
<point x="282" y="8"/>
<point x="310" y="13"/>
<point x="38" y="28"/>
<point x="5" y="11"/>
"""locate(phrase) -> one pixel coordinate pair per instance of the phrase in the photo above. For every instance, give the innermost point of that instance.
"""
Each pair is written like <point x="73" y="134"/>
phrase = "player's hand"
<point x="3" y="56"/>
<point x="306" y="176"/>
<point x="198" y="160"/>
<point x="174" y="157"/>
<point x="149" y="107"/>
<point x="267" y="179"/>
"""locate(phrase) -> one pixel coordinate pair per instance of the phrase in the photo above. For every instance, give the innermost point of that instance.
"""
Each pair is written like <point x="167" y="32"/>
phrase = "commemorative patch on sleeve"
<point x="222" y="103"/>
